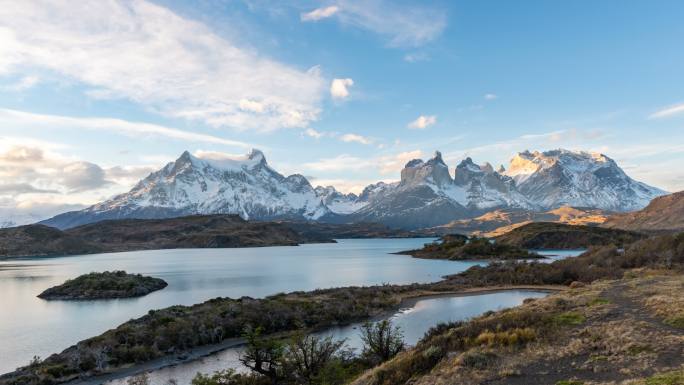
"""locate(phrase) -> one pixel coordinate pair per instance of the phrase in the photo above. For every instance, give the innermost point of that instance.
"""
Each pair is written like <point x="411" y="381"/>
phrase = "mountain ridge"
<point x="427" y="195"/>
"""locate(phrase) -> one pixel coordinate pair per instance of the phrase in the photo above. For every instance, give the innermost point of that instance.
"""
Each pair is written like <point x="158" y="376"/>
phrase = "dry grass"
<point x="609" y="329"/>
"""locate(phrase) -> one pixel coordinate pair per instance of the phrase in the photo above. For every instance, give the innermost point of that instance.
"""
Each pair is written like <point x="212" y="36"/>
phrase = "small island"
<point x="456" y="247"/>
<point x="106" y="285"/>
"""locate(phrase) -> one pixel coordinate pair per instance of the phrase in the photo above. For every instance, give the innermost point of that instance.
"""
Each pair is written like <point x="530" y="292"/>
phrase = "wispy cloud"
<point x="23" y="84"/>
<point x="491" y="96"/>
<point x="135" y="129"/>
<point x="402" y="24"/>
<point x="343" y="162"/>
<point x="319" y="13"/>
<point x="668" y="111"/>
<point x="146" y="53"/>
<point x="355" y="138"/>
<point x="339" y="88"/>
<point x="313" y="133"/>
<point x="423" y="122"/>
<point x="416" y="57"/>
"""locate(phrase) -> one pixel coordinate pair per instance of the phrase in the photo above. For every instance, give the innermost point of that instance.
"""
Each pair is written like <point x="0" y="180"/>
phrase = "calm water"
<point x="31" y="326"/>
<point x="414" y="322"/>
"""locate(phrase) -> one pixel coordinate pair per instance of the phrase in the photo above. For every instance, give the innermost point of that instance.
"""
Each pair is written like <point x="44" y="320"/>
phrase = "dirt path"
<point x="624" y="309"/>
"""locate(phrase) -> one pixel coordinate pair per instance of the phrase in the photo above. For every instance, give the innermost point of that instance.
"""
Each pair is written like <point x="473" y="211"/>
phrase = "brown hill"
<point x="498" y="222"/>
<point x="663" y="214"/>
<point x="548" y="235"/>
<point x="197" y="231"/>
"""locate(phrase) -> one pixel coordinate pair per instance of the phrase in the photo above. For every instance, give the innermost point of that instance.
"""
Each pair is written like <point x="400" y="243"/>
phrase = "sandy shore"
<point x="408" y="301"/>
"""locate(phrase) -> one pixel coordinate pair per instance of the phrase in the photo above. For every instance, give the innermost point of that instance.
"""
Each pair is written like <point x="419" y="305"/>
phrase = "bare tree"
<point x="305" y="357"/>
<point x="381" y="340"/>
<point x="263" y="355"/>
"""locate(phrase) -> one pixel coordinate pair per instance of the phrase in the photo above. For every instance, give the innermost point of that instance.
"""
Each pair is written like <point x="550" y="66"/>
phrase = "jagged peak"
<point x="487" y="168"/>
<point x="256" y="154"/>
<point x="468" y="164"/>
<point x="437" y="159"/>
<point x="501" y="169"/>
<point x="414" y="163"/>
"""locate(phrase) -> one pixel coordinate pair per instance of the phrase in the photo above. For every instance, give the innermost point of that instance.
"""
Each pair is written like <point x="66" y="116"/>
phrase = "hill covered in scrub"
<point x="459" y="248"/>
<point x="106" y="285"/>
<point x="663" y="214"/>
<point x="630" y="329"/>
<point x="198" y="231"/>
<point x="548" y="235"/>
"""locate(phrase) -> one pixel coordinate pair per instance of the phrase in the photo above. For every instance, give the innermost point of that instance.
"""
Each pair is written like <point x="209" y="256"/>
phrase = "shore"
<point x="407" y="301"/>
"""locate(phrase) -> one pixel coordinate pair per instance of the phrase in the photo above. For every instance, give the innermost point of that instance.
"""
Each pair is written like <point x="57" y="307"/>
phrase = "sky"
<point x="94" y="95"/>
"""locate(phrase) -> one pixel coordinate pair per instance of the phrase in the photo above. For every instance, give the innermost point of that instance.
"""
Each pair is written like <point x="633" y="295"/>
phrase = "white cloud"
<point x="347" y="138"/>
<point x="668" y="111"/>
<point x="145" y="53"/>
<point x="23" y="84"/>
<point x="491" y="96"/>
<point x="134" y="129"/>
<point x="416" y="57"/>
<point x="319" y="13"/>
<point x="423" y="122"/>
<point x="402" y="24"/>
<point x="394" y="163"/>
<point x="342" y="162"/>
<point x="339" y="88"/>
<point x="384" y="164"/>
<point x="313" y="133"/>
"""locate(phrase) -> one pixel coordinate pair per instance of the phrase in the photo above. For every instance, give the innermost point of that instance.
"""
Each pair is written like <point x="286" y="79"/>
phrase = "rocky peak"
<point x="466" y="170"/>
<point x="487" y="168"/>
<point x="434" y="171"/>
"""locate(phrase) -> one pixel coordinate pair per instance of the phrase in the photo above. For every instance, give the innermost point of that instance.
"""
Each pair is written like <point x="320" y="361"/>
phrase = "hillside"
<point x="610" y="332"/>
<point x="500" y="221"/>
<point x="547" y="235"/>
<point x="41" y="240"/>
<point x="200" y="231"/>
<point x="664" y="213"/>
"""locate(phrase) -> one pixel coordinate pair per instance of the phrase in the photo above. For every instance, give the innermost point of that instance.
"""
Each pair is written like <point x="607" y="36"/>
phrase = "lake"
<point x="31" y="326"/>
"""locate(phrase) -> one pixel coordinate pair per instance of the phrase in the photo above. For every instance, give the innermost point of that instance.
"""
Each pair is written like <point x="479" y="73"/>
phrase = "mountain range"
<point x="427" y="195"/>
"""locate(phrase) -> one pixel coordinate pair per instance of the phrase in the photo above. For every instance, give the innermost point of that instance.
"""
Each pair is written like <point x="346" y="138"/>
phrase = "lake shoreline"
<point x="198" y="353"/>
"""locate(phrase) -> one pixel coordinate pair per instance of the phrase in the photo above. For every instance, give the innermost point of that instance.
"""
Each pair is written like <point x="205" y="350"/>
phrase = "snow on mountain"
<point x="245" y="185"/>
<point x="427" y="195"/>
<point x="338" y="202"/>
<point x="486" y="188"/>
<point x="580" y="179"/>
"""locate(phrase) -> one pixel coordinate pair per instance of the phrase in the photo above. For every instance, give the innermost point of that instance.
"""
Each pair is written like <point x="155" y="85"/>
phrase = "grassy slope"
<point x="607" y="332"/>
<point x="548" y="235"/>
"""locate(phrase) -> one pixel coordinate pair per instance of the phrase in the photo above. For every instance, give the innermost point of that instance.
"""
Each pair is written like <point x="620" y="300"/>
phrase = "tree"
<point x="263" y="355"/>
<point x="381" y="341"/>
<point x="305" y="357"/>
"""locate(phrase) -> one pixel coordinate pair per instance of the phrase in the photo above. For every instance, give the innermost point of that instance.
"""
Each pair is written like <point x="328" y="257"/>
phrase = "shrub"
<point x="569" y="319"/>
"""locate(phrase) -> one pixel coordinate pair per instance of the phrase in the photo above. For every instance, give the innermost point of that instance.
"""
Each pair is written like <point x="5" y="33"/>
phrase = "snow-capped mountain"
<point x="338" y="202"/>
<point x="580" y="179"/>
<point x="427" y="195"/>
<point x="246" y="185"/>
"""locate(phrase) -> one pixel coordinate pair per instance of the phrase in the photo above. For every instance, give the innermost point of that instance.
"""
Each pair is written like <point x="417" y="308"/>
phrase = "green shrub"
<point x="569" y="319"/>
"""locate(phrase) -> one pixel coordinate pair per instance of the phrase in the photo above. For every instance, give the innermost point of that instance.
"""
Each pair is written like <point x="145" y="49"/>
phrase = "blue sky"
<point x="96" y="95"/>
